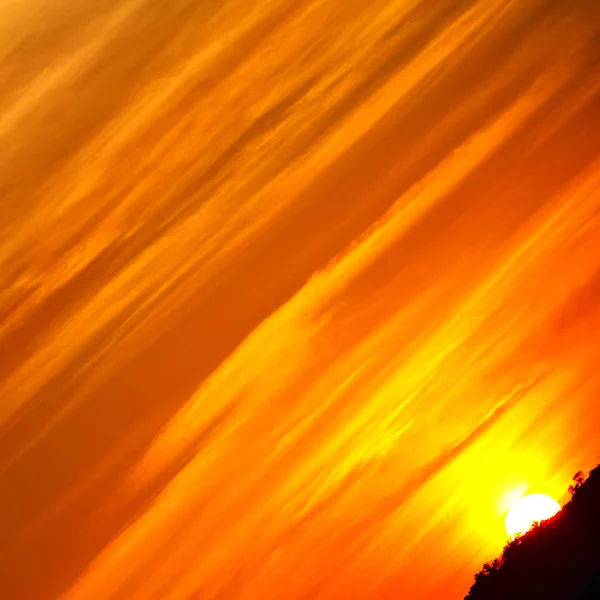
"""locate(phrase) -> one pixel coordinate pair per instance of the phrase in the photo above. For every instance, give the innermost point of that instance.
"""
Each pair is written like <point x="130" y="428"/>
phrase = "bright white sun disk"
<point x="528" y="510"/>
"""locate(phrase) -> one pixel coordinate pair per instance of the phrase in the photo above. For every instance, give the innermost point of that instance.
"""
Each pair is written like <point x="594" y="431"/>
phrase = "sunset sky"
<point x="296" y="297"/>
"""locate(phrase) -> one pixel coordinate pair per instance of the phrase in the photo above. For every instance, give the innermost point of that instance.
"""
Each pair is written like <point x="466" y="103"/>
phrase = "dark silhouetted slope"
<point x="558" y="559"/>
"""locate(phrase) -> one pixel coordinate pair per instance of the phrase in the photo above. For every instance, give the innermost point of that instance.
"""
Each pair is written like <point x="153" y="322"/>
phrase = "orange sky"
<point x="296" y="297"/>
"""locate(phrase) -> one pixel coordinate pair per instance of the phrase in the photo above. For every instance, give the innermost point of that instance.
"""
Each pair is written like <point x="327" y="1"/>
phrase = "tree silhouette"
<point x="558" y="559"/>
<point x="579" y="479"/>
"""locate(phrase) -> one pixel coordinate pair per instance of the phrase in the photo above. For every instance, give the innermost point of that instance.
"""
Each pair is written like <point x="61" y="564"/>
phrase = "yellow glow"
<point x="528" y="510"/>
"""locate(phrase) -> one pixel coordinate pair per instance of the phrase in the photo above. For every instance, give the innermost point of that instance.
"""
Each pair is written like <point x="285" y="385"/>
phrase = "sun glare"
<point x="528" y="510"/>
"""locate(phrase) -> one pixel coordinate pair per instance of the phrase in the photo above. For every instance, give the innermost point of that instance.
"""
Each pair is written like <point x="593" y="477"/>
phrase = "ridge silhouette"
<point x="558" y="559"/>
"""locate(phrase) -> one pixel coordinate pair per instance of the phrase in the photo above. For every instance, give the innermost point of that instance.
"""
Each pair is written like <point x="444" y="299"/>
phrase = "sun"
<point x="528" y="510"/>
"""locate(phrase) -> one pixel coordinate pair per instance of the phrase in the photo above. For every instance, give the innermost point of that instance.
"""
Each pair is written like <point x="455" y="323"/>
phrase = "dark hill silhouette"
<point x="558" y="559"/>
